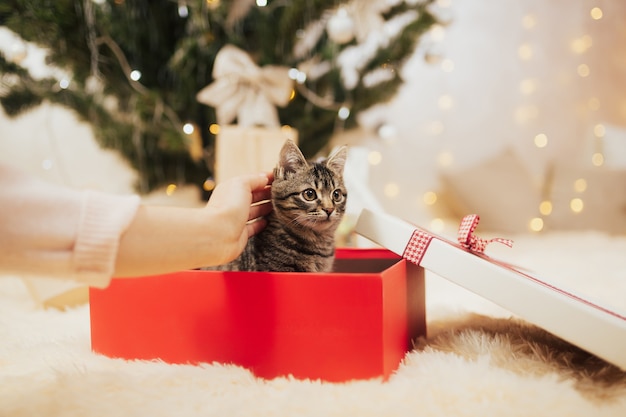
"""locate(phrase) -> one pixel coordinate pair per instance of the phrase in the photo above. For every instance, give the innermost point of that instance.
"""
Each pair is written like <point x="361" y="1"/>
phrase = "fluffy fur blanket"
<point x="476" y="361"/>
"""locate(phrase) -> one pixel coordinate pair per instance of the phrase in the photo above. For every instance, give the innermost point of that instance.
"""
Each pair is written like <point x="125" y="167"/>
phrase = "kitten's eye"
<point x="337" y="195"/>
<point x="309" y="194"/>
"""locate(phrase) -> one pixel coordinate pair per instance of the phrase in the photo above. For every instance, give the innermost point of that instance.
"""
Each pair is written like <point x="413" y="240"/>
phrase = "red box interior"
<point x="354" y="323"/>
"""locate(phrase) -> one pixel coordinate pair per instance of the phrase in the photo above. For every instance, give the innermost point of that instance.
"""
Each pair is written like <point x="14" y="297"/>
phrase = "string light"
<point x="445" y="159"/>
<point x="580" y="185"/>
<point x="437" y="225"/>
<point x="214" y="128"/>
<point x="536" y="224"/>
<point x="436" y="127"/>
<point x="387" y="133"/>
<point x="580" y="45"/>
<point x="135" y="75"/>
<point x="183" y="10"/>
<point x="171" y="188"/>
<point x="596" y="13"/>
<point x="599" y="130"/>
<point x="261" y="3"/>
<point x="445" y="102"/>
<point x="529" y="112"/>
<point x="529" y="21"/>
<point x="209" y="184"/>
<point x="297" y="75"/>
<point x="188" y="128"/>
<point x="64" y="83"/>
<point x="374" y="158"/>
<point x="576" y="205"/>
<point x="524" y="114"/>
<point x="541" y="140"/>
<point x="447" y="65"/>
<point x="583" y="70"/>
<point x="597" y="159"/>
<point x="343" y="113"/>
<point x="392" y="190"/>
<point x="545" y="208"/>
<point x="438" y="33"/>
<point x="528" y="86"/>
<point x="525" y="52"/>
<point x="429" y="198"/>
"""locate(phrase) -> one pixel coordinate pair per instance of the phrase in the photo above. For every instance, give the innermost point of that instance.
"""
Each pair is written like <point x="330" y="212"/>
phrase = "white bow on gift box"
<point x="245" y="91"/>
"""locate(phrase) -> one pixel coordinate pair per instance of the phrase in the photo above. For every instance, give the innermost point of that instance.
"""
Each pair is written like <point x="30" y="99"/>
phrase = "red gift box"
<point x="357" y="322"/>
<point x="572" y="317"/>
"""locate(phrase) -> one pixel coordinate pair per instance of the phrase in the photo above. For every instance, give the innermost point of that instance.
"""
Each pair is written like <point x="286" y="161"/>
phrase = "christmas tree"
<point x="136" y="66"/>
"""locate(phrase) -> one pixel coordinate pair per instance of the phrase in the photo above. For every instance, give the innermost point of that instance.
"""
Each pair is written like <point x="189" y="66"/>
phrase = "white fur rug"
<point x="476" y="361"/>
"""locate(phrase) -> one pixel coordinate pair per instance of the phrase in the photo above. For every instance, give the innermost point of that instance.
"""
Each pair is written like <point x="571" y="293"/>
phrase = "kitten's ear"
<point x="291" y="159"/>
<point x="337" y="159"/>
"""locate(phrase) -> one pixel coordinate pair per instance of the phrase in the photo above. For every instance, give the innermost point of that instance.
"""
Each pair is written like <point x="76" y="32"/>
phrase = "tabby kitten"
<point x="309" y="200"/>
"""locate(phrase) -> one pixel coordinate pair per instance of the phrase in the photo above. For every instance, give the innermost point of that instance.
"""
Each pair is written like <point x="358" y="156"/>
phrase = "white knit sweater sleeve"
<point x="103" y="219"/>
<point x="52" y="231"/>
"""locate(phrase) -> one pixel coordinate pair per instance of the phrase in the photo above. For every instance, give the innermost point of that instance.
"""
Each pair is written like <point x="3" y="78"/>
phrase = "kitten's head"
<point x="309" y="195"/>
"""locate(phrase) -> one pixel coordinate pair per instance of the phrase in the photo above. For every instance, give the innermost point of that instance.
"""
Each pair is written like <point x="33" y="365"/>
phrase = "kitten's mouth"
<point x="319" y="222"/>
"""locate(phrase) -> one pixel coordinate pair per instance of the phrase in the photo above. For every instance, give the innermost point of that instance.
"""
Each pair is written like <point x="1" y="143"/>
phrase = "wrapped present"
<point x="249" y="94"/>
<point x="572" y="317"/>
<point x="244" y="91"/>
<point x="249" y="150"/>
<point x="354" y="323"/>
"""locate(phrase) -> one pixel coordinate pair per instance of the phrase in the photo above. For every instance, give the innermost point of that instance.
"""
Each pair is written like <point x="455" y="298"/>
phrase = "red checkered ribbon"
<point x="416" y="248"/>
<point x="472" y="242"/>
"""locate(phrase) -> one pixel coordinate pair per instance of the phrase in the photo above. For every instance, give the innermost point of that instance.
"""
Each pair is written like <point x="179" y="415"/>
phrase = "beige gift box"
<point x="249" y="150"/>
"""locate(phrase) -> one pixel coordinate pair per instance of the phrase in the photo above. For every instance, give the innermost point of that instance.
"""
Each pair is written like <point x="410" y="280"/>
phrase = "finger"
<point x="259" y="210"/>
<point x="262" y="195"/>
<point x="255" y="226"/>
<point x="257" y="181"/>
<point x="245" y="183"/>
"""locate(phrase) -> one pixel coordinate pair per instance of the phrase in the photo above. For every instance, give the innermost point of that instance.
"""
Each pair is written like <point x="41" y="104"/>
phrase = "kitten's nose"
<point x="328" y="211"/>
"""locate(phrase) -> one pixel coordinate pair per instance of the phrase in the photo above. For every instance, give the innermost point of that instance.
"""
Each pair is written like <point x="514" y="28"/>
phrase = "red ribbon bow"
<point x="468" y="240"/>
<point x="418" y="244"/>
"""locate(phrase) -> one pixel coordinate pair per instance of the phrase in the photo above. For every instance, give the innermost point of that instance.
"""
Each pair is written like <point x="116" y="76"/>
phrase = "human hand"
<point x="239" y="205"/>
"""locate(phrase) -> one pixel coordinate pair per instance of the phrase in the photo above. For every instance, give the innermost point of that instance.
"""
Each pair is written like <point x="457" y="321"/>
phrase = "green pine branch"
<point x="175" y="55"/>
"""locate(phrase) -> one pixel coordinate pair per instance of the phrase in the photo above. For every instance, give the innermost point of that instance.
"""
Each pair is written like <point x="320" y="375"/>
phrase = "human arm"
<point x="165" y="239"/>
<point x="53" y="231"/>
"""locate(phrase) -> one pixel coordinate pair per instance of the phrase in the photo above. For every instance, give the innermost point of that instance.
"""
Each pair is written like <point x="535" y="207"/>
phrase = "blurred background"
<point x="514" y="110"/>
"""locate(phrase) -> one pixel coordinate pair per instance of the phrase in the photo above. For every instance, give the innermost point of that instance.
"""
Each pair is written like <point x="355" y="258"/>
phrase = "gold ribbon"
<point x="246" y="91"/>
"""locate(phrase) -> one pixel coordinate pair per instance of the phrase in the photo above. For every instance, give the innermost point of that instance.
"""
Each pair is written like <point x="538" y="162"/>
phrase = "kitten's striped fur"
<point x="309" y="200"/>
